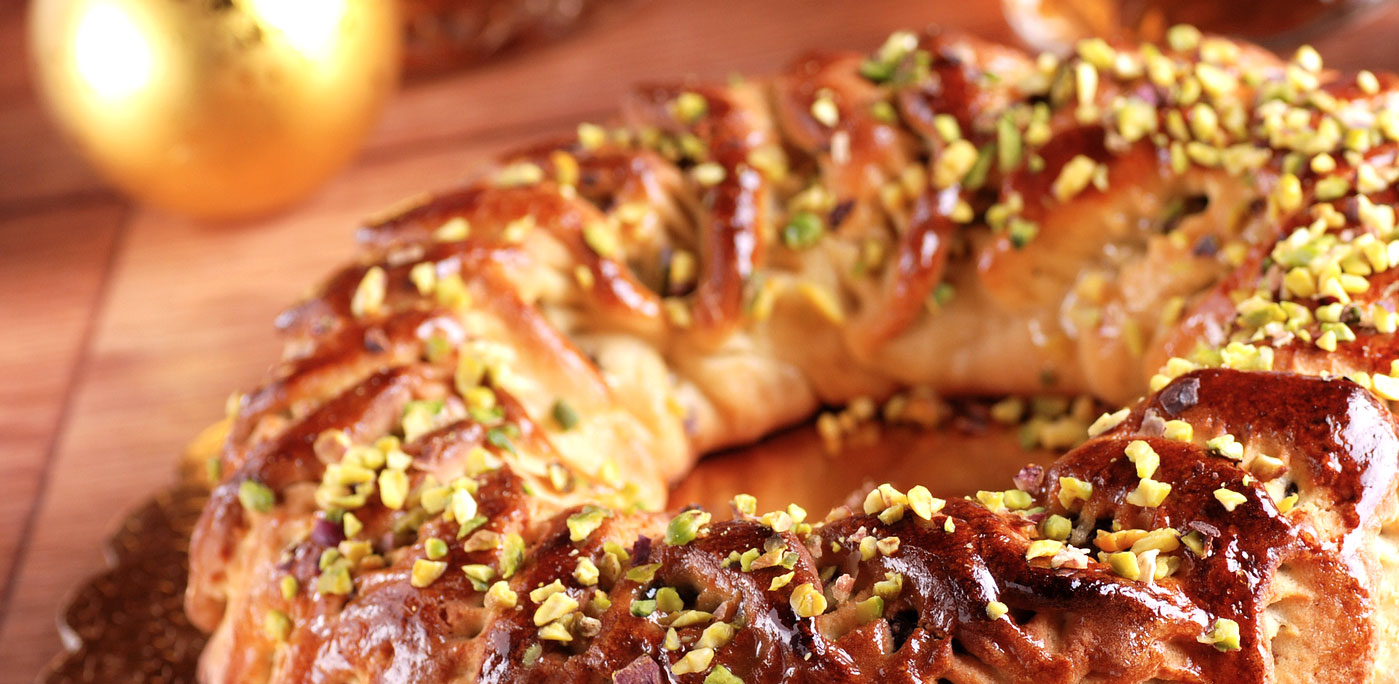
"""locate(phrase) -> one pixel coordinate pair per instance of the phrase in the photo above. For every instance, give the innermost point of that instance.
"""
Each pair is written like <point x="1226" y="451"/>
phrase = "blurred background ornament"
<point x="443" y="34"/>
<point x="216" y="108"/>
<point x="1279" y="24"/>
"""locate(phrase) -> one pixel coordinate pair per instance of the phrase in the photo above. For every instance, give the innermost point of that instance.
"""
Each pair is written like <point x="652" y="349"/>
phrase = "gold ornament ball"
<point x="216" y="108"/>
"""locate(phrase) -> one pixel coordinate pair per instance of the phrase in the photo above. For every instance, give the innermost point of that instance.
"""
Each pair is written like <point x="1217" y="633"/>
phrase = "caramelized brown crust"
<point x="518" y="367"/>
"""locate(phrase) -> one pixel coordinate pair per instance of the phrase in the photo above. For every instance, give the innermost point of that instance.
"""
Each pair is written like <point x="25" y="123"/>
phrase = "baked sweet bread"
<point x="453" y="473"/>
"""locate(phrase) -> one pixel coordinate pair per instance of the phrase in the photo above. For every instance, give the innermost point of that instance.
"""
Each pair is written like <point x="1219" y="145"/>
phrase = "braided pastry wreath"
<point x="453" y="474"/>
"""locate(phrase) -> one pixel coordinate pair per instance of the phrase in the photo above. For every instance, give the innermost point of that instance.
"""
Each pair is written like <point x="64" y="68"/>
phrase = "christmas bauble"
<point x="216" y="108"/>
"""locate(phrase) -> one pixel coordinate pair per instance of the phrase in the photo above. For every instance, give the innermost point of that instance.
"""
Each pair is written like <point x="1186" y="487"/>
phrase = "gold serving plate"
<point x="128" y="623"/>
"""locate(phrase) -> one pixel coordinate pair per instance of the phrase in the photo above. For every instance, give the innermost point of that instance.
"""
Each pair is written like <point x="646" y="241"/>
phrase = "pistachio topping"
<point x="1149" y="493"/>
<point x="722" y="675"/>
<point x="808" y="601"/>
<point x="695" y="661"/>
<point x="1178" y="431"/>
<point x="565" y="416"/>
<point x="500" y="596"/>
<point x="1072" y="489"/>
<point x="256" y="496"/>
<point x="277" y="625"/>
<point x="684" y="527"/>
<point x="803" y="230"/>
<point x="1145" y="458"/>
<point x="824" y="109"/>
<point x="1229" y="499"/>
<point x="1107" y="421"/>
<point x="425" y="572"/>
<point x="369" y="295"/>
<point x="708" y="174"/>
<point x="555" y="606"/>
<point x="1223" y="635"/>
<point x="689" y="107"/>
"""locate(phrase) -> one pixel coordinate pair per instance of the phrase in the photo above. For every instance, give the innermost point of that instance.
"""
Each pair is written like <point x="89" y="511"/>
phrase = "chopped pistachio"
<point x="715" y="635"/>
<point x="668" y="600"/>
<point x="277" y="625"/>
<point x="994" y="501"/>
<point x="1124" y="564"/>
<point x="996" y="610"/>
<point x="803" y="230"/>
<point x="1074" y="177"/>
<point x="480" y="576"/>
<point x="435" y="548"/>
<point x="425" y="572"/>
<point x="591" y="136"/>
<point x="555" y="631"/>
<point x="745" y="504"/>
<point x="1145" y="458"/>
<point x="824" y="110"/>
<point x="1073" y="489"/>
<point x="541" y="593"/>
<point x="452" y="230"/>
<point x="722" y="675"/>
<point x="1149" y="493"/>
<point x="393" y="488"/>
<point x="369" y="295"/>
<point x="1057" y="527"/>
<point x="693" y="662"/>
<point x="1386" y="386"/>
<point x="642" y="574"/>
<point x="689" y="107"/>
<point x="708" y="174"/>
<point x="289" y="587"/>
<point x="684" y="527"/>
<point x="807" y="601"/>
<point x="891" y="586"/>
<point x="256" y="496"/>
<point x="602" y="239"/>
<point x="1225" y="445"/>
<point x="643" y="607"/>
<point x="1223" y="635"/>
<point x="424" y="277"/>
<point x="519" y="174"/>
<point x="1108" y="421"/>
<point x="1017" y="500"/>
<point x="586" y="572"/>
<point x="335" y="580"/>
<point x="554" y="607"/>
<point x="869" y="609"/>
<point x="463" y="506"/>
<point x="1229" y="498"/>
<point x="954" y="163"/>
<point x="1009" y="144"/>
<point x="1178" y="430"/>
<point x="923" y="503"/>
<point x="512" y="554"/>
<point x="1164" y="540"/>
<point x="585" y="522"/>
<point x="564" y="415"/>
<point x="1042" y="548"/>
<point x="501" y="596"/>
<point x="1367" y="82"/>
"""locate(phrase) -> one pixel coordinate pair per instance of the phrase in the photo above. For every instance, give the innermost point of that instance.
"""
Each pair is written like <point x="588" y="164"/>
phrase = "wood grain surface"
<point x="125" y="329"/>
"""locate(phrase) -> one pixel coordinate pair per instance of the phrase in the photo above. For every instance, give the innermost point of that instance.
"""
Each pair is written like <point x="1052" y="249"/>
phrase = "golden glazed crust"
<point x="446" y="478"/>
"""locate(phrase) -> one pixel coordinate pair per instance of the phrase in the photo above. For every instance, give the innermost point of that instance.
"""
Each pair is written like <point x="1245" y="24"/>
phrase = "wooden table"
<point x="124" y="329"/>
